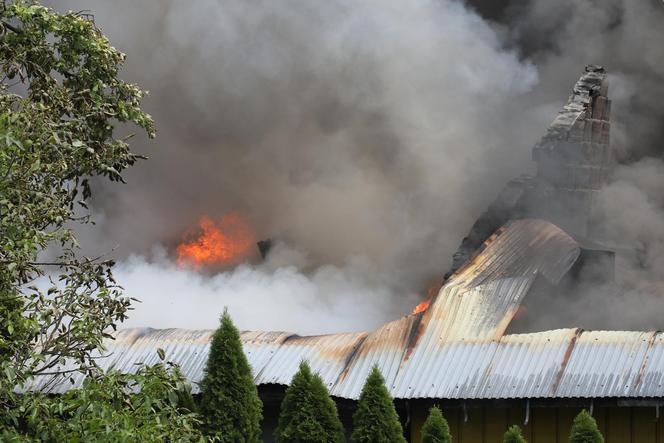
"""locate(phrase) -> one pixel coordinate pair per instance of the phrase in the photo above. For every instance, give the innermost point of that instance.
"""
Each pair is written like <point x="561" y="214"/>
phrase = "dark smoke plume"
<point x="625" y="37"/>
<point x="367" y="135"/>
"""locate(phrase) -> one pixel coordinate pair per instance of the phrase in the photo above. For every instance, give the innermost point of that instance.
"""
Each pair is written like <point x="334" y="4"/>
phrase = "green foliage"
<point x="513" y="435"/>
<point x="308" y="414"/>
<point x="108" y="408"/>
<point x="376" y="420"/>
<point x="229" y="399"/>
<point x="584" y="429"/>
<point x="60" y="103"/>
<point x="435" y="428"/>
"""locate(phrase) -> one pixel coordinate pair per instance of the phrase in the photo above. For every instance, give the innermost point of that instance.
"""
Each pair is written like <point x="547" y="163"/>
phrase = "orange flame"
<point x="422" y="306"/>
<point x="432" y="290"/>
<point x="225" y="243"/>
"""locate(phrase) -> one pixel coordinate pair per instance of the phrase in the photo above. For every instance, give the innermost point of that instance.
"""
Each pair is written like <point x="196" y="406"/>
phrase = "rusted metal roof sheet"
<point x="260" y="348"/>
<point x="478" y="303"/>
<point x="188" y="348"/>
<point x="565" y="363"/>
<point x="650" y="381"/>
<point x="521" y="248"/>
<point x="456" y="349"/>
<point x="55" y="384"/>
<point x="525" y="365"/>
<point x="449" y="372"/>
<point x="385" y="348"/>
<point x="133" y="347"/>
<point x="606" y="364"/>
<point x="326" y="354"/>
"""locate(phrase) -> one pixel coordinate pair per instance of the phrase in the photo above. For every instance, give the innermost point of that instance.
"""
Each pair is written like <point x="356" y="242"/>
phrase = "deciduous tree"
<point x="61" y="107"/>
<point x="60" y="101"/>
<point x="149" y="406"/>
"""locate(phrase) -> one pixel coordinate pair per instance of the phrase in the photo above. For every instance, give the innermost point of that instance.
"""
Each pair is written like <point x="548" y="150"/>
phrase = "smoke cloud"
<point x="623" y="36"/>
<point x="632" y="225"/>
<point x="274" y="295"/>
<point x="368" y="134"/>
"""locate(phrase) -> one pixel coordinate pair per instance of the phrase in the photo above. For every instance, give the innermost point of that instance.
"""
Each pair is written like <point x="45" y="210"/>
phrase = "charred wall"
<point x="573" y="160"/>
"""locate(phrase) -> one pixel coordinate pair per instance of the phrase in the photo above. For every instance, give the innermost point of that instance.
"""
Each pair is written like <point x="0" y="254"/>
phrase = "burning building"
<point x="473" y="349"/>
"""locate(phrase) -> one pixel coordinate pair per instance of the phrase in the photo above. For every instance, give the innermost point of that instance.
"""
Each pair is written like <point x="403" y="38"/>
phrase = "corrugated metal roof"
<point x="479" y="302"/>
<point x="260" y="348"/>
<point x="385" y="348"/>
<point x="650" y="381"/>
<point x="605" y="364"/>
<point x="526" y="365"/>
<point x="326" y="354"/>
<point x="455" y="349"/>
<point x="566" y="363"/>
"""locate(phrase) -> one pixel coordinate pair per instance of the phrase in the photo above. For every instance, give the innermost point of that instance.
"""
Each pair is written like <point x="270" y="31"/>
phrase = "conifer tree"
<point x="308" y="414"/>
<point x="326" y="411"/>
<point x="435" y="428"/>
<point x="513" y="435"/>
<point x="376" y="420"/>
<point x="584" y="429"/>
<point x="230" y="405"/>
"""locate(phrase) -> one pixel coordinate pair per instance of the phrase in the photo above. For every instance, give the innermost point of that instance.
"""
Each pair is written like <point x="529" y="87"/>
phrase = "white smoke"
<point x="270" y="296"/>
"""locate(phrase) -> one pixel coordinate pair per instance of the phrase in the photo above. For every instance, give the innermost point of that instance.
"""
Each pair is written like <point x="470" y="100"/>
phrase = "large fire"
<point x="227" y="242"/>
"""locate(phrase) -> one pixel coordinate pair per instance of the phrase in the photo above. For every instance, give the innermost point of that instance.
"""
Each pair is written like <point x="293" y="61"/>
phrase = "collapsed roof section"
<point x="573" y="161"/>
<point x="574" y="157"/>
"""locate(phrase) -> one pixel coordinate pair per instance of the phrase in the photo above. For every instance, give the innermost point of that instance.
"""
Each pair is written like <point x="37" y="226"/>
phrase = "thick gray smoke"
<point x="369" y="134"/>
<point x="633" y="226"/>
<point x="626" y="37"/>
<point x="349" y="127"/>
